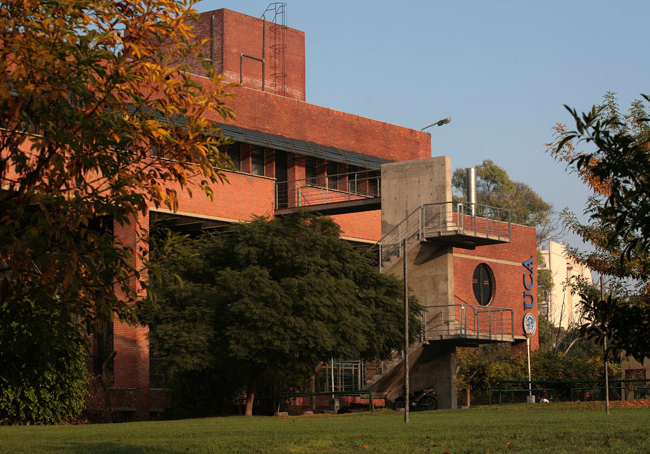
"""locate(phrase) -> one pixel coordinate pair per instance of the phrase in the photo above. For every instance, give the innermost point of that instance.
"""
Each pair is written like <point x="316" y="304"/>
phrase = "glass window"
<point x="257" y="161"/>
<point x="311" y="169"/>
<point x="332" y="174"/>
<point x="234" y="154"/>
<point x="483" y="284"/>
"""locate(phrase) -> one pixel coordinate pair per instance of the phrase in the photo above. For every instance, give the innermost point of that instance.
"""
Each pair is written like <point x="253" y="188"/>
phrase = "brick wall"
<point x="242" y="197"/>
<point x="131" y="363"/>
<point x="506" y="262"/>
<point x="311" y="123"/>
<point x="232" y="34"/>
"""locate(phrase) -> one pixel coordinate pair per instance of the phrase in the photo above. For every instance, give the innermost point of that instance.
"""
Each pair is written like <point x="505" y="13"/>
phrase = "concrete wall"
<point x="433" y="364"/>
<point x="407" y="185"/>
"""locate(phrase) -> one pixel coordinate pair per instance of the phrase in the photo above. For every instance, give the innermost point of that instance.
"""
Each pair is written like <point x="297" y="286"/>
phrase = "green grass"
<point x="552" y="428"/>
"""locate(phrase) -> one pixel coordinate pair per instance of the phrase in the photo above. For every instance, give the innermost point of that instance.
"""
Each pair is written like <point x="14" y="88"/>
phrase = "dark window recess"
<point x="373" y="183"/>
<point x="234" y="154"/>
<point x="311" y="168"/>
<point x="353" y="179"/>
<point x="483" y="284"/>
<point x="257" y="161"/>
<point x="281" y="176"/>
<point x="332" y="175"/>
<point x="103" y="350"/>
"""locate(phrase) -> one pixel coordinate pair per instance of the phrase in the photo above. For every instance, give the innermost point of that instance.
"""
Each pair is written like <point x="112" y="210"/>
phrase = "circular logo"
<point x="530" y="324"/>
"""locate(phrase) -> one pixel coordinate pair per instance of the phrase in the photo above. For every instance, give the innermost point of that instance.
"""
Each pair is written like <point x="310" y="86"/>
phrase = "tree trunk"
<point x="250" y="398"/>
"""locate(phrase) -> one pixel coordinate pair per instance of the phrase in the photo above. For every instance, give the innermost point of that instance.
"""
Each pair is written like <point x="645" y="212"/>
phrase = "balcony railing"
<point x="436" y="221"/>
<point x="325" y="189"/>
<point x="467" y="321"/>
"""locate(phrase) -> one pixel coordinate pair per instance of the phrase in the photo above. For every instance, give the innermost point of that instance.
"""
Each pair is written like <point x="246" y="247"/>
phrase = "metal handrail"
<point x="471" y="321"/>
<point x="363" y="184"/>
<point x="432" y="219"/>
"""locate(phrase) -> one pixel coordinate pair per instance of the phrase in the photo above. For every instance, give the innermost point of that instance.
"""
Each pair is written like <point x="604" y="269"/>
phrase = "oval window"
<point x="483" y="284"/>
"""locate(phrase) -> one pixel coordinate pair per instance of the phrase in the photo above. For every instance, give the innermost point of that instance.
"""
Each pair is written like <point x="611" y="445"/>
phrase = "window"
<point x="332" y="175"/>
<point x="257" y="161"/>
<point x="483" y="284"/>
<point x="234" y="154"/>
<point x="311" y="169"/>
<point x="373" y="183"/>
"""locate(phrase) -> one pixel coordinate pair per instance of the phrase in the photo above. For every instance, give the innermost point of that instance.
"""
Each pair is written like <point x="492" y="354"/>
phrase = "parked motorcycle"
<point x="424" y="399"/>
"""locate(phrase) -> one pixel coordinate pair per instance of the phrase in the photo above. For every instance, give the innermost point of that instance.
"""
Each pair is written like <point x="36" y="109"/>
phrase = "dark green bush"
<point x="42" y="364"/>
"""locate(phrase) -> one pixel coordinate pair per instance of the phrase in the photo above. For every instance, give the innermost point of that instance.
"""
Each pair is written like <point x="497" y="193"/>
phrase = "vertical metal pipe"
<point x="407" y="403"/>
<point x="490" y="323"/>
<point x="263" y="52"/>
<point x="602" y="296"/>
<point x="530" y="383"/>
<point x="471" y="190"/>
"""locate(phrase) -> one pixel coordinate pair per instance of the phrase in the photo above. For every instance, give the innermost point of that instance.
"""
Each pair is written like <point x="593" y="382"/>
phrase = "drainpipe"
<point x="471" y="189"/>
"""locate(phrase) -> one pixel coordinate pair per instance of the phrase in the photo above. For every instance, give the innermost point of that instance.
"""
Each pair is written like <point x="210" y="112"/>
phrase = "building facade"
<point x="561" y="306"/>
<point x="288" y="153"/>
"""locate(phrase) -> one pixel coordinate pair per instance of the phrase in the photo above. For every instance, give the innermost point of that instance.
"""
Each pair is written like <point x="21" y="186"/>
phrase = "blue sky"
<point x="501" y="69"/>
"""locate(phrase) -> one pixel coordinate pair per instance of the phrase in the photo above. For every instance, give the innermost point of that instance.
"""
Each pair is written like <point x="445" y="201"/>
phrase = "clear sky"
<point x="502" y="71"/>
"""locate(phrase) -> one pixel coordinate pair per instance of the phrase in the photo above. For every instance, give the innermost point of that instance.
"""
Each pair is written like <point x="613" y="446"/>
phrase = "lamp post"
<point x="602" y="297"/>
<point x="444" y="121"/>
<point x="530" y="327"/>
<point x="407" y="403"/>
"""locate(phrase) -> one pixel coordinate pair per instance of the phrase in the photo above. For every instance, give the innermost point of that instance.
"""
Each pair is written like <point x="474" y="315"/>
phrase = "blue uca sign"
<point x="529" y="321"/>
<point x="529" y="281"/>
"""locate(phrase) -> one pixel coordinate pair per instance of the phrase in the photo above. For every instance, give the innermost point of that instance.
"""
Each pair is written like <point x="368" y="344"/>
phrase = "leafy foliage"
<point x="495" y="188"/>
<point x="273" y="298"/>
<point x="90" y="90"/>
<point x="38" y="334"/>
<point x="616" y="170"/>
<point x="481" y="369"/>
<point x="93" y="96"/>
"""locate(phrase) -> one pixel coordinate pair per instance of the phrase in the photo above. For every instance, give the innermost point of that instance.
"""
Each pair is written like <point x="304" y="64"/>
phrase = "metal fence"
<point x="513" y="391"/>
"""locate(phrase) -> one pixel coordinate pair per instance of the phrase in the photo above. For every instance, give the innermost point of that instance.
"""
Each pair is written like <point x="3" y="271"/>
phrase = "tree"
<point x="481" y="369"/>
<point x="616" y="170"/>
<point x="495" y="188"/>
<point x="273" y="298"/>
<point x="98" y="119"/>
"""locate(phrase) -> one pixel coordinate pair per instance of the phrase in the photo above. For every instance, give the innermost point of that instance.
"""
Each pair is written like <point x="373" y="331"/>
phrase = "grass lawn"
<point x="540" y="428"/>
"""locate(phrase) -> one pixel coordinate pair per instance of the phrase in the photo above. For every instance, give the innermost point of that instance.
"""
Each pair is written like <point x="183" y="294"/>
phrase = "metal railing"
<point x="328" y="189"/>
<point x="469" y="321"/>
<point x="445" y="218"/>
<point x="568" y="390"/>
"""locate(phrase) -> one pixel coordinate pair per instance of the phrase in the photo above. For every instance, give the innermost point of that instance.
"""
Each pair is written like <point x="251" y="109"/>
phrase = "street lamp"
<point x="444" y="121"/>
<point x="530" y="327"/>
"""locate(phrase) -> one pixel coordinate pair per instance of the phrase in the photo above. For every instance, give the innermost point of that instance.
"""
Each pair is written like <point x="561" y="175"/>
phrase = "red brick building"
<point x="280" y="138"/>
